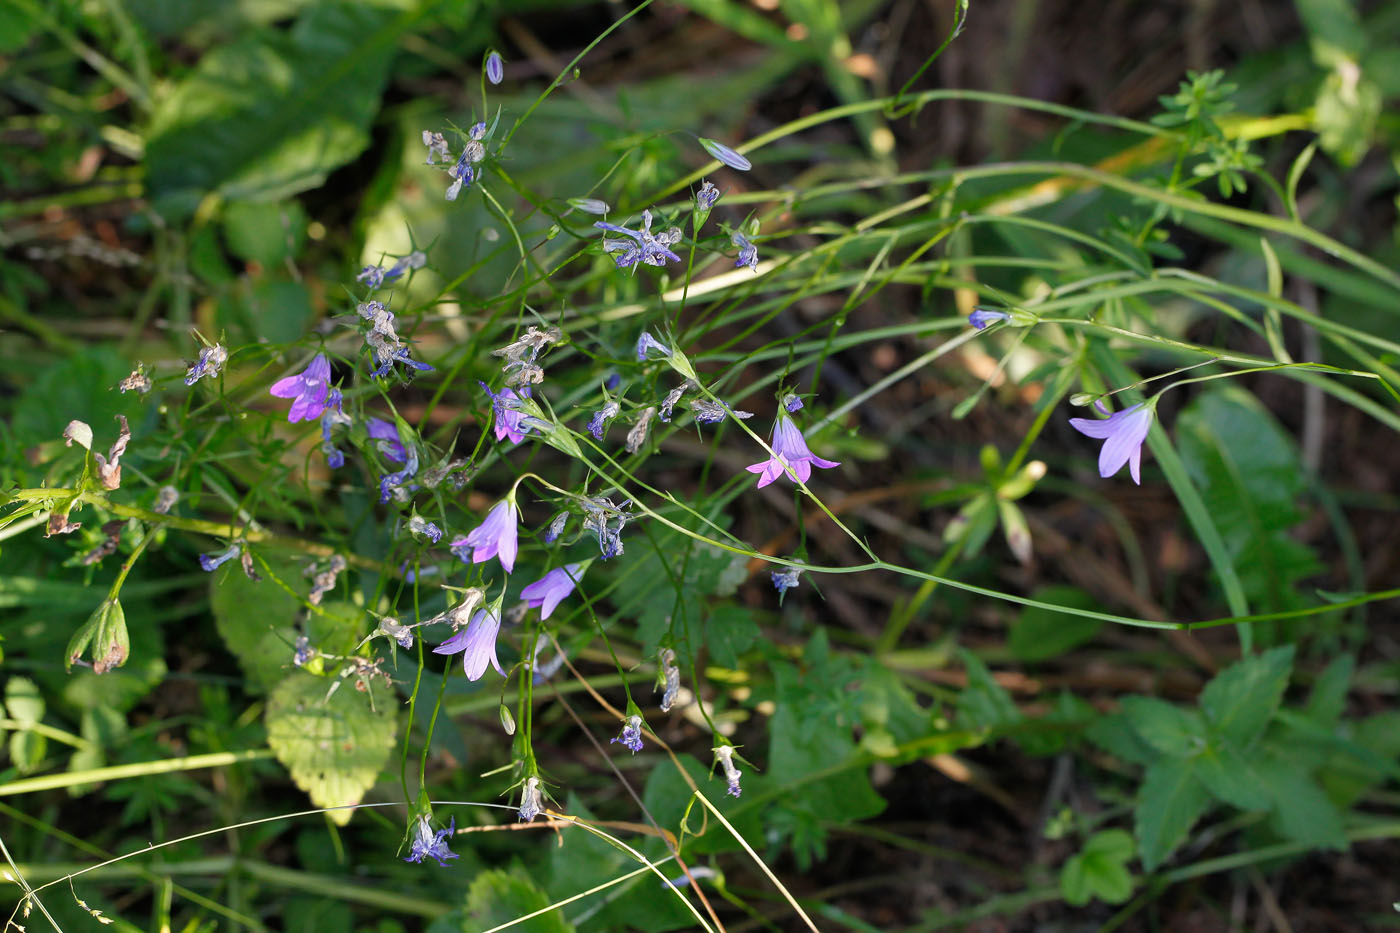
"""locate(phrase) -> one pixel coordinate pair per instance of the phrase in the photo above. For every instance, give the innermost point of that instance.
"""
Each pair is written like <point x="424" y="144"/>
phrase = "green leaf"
<point x="984" y="703"/>
<point x="1169" y="803"/>
<point x="1240" y="700"/>
<point x="266" y="232"/>
<point x="1116" y="735"/>
<point x="1250" y="479"/>
<point x="498" y="897"/>
<point x="1100" y="870"/>
<point x="1040" y="634"/>
<point x="1169" y="729"/>
<point x="256" y="618"/>
<point x="1230" y="777"/>
<point x="23" y="700"/>
<point x="272" y="112"/>
<point x="1329" y="693"/>
<point x="729" y="631"/>
<point x="1303" y="812"/>
<point x="334" y="748"/>
<point x="27" y="750"/>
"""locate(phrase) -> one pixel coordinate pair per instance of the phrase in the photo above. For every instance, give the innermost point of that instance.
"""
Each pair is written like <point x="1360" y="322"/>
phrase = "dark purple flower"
<point x="310" y="388"/>
<point x="1122" y="434"/>
<point x="495" y="68"/>
<point x="388" y="436"/>
<point x="212" y="562"/>
<point x="792" y="403"/>
<point x="790" y="452"/>
<point x="331" y="415"/>
<point x="646" y="344"/>
<point x="748" y="253"/>
<point x="982" y="318"/>
<point x="417" y="525"/>
<point x="548" y="591"/>
<point x="631" y="736"/>
<point x="726" y="155"/>
<point x="784" y="580"/>
<point x="494" y="537"/>
<point x="598" y="424"/>
<point x="428" y="844"/>
<point x="477" y="642"/>
<point x="556" y="527"/>
<point x="647" y="247"/>
<point x="507" y="416"/>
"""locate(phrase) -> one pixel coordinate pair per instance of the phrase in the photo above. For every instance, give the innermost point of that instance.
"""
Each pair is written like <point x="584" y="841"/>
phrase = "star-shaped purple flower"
<point x="1122" y="433"/>
<point x="477" y="642"/>
<point x="494" y="537"/>
<point x="548" y="591"/>
<point x="310" y="388"/>
<point x="790" y="451"/>
<point x="429" y="844"/>
<point x="631" y="736"/>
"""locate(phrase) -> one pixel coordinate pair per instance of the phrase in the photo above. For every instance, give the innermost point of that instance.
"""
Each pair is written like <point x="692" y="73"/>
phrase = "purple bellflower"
<point x="395" y="451"/>
<point x="982" y="318"/>
<point x="748" y="253"/>
<point x="310" y="388"/>
<point x="548" y="591"/>
<point x="606" y="520"/>
<point x="417" y="525"/>
<point x="631" y="736"/>
<point x="331" y="415"/>
<point x="647" y="247"/>
<point x="495" y="68"/>
<point x="1122" y="433"/>
<point x="646" y="344"/>
<point x="429" y="844"/>
<point x="790" y="451"/>
<point x="494" y="537"/>
<point x="507" y="416"/>
<point x="477" y="642"/>
<point x="724" y="154"/>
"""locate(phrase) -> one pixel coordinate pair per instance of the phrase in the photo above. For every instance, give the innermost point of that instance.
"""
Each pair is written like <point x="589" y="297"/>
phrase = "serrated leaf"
<point x="256" y="618"/>
<point x="1115" y="735"/>
<point x="1040" y="634"/>
<point x="984" y="703"/>
<point x="1250" y="478"/>
<point x="1230" y="777"/>
<point x="498" y="897"/>
<point x="729" y="631"/>
<point x="272" y="112"/>
<point x="1169" y="803"/>
<point x="1167" y="728"/>
<point x="1240" y="700"/>
<point x="334" y="748"/>
<point x="23" y="700"/>
<point x="1302" y="811"/>
<point x="1329" y="693"/>
<point x="1099" y="870"/>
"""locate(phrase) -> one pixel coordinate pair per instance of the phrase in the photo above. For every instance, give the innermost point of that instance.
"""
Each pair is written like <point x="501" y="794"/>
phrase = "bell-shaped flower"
<point x="548" y="591"/>
<point x="790" y="452"/>
<point x="507" y="416"/>
<point x="494" y="537"/>
<point x="310" y="388"/>
<point x="1122" y="433"/>
<point x="429" y="844"/>
<point x="477" y="642"/>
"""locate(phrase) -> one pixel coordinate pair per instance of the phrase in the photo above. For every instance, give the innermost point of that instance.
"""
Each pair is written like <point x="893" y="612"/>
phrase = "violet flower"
<point x="309" y="388"/>
<point x="748" y="253"/>
<point x="652" y="249"/>
<point x="331" y="415"/>
<point x="531" y="800"/>
<point x="708" y="412"/>
<point x="395" y="451"/>
<point x="548" y="591"/>
<point x="212" y="562"/>
<point x="1122" y="433"/>
<point x="982" y="318"/>
<point x="477" y="642"/>
<point x="706" y="197"/>
<point x="784" y="580"/>
<point x="375" y="276"/>
<point x="211" y="361"/>
<point x="429" y="844"/>
<point x="790" y="452"/>
<point x="631" y="736"/>
<point x="646" y="343"/>
<point x="598" y="424"/>
<point x="724" y="154"/>
<point x="555" y="527"/>
<point x="495" y="68"/>
<point x="507" y="416"/>
<point x="494" y="537"/>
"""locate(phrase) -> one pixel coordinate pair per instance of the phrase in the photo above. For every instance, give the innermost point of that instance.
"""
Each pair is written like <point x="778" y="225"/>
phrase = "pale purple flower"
<point x="477" y="642"/>
<point x="437" y="146"/>
<point x="726" y="155"/>
<point x="375" y="276"/>
<point x="668" y="404"/>
<point x="647" y="247"/>
<point x="331" y="415"/>
<point x="495" y="68"/>
<point x="556" y="527"/>
<point x="646" y="344"/>
<point x="748" y="253"/>
<point x="790" y="451"/>
<point x="395" y="451"/>
<point x="982" y="318"/>
<point x="385" y="360"/>
<point x="212" y="562"/>
<point x="531" y="800"/>
<point x="494" y="537"/>
<point x="302" y="652"/>
<point x="598" y="424"/>
<point x="211" y="361"/>
<point x="708" y="412"/>
<point x="792" y="403"/>
<point x="1122" y="433"/>
<point x="784" y="580"/>
<point x="463" y="173"/>
<point x="590" y="206"/>
<point x="631" y="736"/>
<point x="606" y="521"/>
<point x="669" y="679"/>
<point x="417" y="525"/>
<point x="724" y="754"/>
<point x="706" y="197"/>
<point x="507" y="416"/>
<point x="548" y="591"/>
<point x="309" y="388"/>
<point x="429" y="844"/>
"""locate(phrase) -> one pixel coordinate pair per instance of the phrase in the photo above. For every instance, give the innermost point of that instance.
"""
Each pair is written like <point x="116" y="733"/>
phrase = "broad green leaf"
<point x="1230" y="777"/>
<point x="984" y="703"/>
<point x="1040" y="634"/>
<point x="729" y="631"/>
<point x="1250" y="479"/>
<point x="265" y="232"/>
<point x="1302" y="811"/>
<point x="1240" y="700"/>
<point x="1169" y="729"/>
<point x="23" y="700"/>
<point x="1116" y="735"/>
<point x="498" y="897"/>
<point x="27" y="750"/>
<point x="1329" y="693"/>
<point x="334" y="748"/>
<point x="79" y="386"/>
<point x="256" y="618"/>
<point x="1100" y="870"/>
<point x="271" y="113"/>
<point x="1169" y="803"/>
